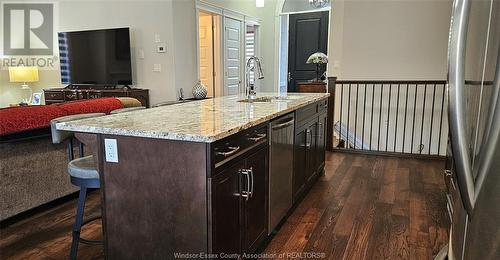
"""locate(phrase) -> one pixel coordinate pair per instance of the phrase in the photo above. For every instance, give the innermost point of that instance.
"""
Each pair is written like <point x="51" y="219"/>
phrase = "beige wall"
<point x="383" y="39"/>
<point x="183" y="22"/>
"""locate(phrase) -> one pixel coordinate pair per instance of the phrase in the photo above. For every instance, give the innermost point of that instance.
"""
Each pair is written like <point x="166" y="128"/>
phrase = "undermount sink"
<point x="268" y="99"/>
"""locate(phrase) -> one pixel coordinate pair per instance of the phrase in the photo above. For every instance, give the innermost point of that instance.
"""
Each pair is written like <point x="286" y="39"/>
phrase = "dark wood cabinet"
<point x="299" y="161"/>
<point x="60" y="95"/>
<point x="239" y="195"/>
<point x="254" y="208"/>
<point x="226" y="203"/>
<point x="312" y="145"/>
<point x="309" y="147"/>
<point x="321" y="141"/>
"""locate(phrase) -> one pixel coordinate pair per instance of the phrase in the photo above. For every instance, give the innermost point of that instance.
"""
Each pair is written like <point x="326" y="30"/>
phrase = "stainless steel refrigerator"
<point x="473" y="169"/>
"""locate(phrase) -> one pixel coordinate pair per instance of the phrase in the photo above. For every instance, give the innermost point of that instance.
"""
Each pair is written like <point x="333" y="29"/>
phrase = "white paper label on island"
<point x="111" y="149"/>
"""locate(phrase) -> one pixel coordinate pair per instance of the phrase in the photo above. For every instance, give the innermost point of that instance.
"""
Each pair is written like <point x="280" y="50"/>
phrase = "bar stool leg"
<point x="78" y="223"/>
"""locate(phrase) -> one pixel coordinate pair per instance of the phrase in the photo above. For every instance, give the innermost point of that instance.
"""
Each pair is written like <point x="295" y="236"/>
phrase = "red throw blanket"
<point x="19" y="119"/>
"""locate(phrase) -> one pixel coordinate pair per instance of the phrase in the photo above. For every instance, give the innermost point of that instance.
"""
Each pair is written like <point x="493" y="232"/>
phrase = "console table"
<point x="312" y="86"/>
<point x="71" y="93"/>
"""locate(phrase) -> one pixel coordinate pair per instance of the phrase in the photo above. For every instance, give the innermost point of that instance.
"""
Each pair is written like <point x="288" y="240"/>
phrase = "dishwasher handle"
<point x="283" y="125"/>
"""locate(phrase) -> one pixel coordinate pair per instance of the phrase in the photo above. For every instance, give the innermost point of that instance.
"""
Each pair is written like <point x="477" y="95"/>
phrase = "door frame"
<point x="218" y="66"/>
<point x="222" y="13"/>
<point x="299" y="74"/>
<point x="250" y="21"/>
<point x="277" y="38"/>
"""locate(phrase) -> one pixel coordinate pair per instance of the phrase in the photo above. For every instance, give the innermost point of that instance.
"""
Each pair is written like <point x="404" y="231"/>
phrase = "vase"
<point x="200" y="91"/>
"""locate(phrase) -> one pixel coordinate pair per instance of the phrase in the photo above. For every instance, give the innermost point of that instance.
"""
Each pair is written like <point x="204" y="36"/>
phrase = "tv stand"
<point x="77" y="92"/>
<point x="97" y="86"/>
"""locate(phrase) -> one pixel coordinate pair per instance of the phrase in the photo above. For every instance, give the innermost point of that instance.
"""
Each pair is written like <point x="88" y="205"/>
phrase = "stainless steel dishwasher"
<point x="280" y="168"/>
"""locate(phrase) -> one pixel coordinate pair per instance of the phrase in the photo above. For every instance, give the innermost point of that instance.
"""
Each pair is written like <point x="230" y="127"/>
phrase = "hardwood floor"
<point x="48" y="235"/>
<point x="364" y="207"/>
<point x="369" y="207"/>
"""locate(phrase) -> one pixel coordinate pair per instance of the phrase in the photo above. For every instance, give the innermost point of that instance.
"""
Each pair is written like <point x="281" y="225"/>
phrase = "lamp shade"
<point x="23" y="74"/>
<point x="318" y="58"/>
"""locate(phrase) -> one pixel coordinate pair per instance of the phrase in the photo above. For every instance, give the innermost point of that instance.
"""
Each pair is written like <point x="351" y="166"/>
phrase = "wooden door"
<point x="308" y="33"/>
<point x="255" y="208"/>
<point x="233" y="56"/>
<point x="206" y="50"/>
<point x="226" y="203"/>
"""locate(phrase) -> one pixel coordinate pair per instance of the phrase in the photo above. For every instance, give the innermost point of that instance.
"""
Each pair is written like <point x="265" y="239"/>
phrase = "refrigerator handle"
<point x="456" y="105"/>
<point x="492" y="136"/>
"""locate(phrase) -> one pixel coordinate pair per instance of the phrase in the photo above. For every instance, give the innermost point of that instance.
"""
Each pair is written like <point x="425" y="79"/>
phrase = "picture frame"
<point x="36" y="99"/>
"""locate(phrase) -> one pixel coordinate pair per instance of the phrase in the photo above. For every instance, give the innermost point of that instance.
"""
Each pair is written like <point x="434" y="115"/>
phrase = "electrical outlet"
<point x="111" y="149"/>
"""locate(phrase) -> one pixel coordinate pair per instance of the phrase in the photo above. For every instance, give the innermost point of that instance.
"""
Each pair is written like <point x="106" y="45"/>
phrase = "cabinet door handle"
<point x="308" y="143"/>
<point x="233" y="149"/>
<point x="447" y="173"/>
<point x="257" y="138"/>
<point x="251" y="174"/>
<point x="246" y="193"/>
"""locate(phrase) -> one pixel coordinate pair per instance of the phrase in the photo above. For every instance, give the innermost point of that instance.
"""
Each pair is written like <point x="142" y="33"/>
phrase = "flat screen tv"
<point x="97" y="57"/>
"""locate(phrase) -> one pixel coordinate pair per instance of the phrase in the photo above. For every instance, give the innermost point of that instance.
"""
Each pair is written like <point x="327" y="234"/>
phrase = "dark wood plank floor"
<point x="369" y="207"/>
<point x="364" y="207"/>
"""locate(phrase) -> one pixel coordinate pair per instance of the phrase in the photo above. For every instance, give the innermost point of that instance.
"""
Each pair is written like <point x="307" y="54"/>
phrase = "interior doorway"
<point x="251" y="49"/>
<point x="308" y="33"/>
<point x="301" y="34"/>
<point x="209" y="61"/>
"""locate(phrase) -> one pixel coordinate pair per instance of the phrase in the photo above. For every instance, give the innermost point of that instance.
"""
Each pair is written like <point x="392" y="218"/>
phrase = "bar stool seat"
<point x="83" y="173"/>
<point x="83" y="168"/>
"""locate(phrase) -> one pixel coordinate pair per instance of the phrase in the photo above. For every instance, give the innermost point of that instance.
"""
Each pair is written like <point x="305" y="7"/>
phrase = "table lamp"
<point x="24" y="74"/>
<point x="317" y="58"/>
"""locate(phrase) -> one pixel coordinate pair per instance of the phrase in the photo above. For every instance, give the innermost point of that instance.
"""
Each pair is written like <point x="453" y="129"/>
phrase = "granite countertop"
<point x="206" y="120"/>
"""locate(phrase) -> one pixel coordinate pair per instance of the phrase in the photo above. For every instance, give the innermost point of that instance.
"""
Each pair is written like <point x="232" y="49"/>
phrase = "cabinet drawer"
<point x="322" y="106"/>
<point x="54" y="95"/>
<point x="231" y="147"/>
<point x="306" y="113"/>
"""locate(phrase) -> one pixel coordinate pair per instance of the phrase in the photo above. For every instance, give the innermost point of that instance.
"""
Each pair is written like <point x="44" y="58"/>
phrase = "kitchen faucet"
<point x="250" y="87"/>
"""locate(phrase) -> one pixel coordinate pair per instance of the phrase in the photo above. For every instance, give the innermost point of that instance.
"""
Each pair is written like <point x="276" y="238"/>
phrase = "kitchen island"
<point x="193" y="178"/>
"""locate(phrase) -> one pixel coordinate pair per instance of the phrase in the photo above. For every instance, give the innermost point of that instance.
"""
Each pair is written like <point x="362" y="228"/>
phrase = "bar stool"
<point x="126" y="109"/>
<point x="82" y="173"/>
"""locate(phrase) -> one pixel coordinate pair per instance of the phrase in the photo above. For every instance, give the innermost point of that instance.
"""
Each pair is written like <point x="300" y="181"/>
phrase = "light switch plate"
<point x="111" y="149"/>
<point x="157" y="38"/>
